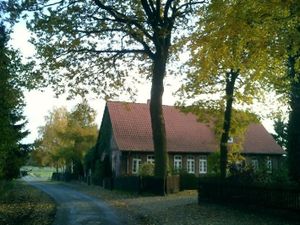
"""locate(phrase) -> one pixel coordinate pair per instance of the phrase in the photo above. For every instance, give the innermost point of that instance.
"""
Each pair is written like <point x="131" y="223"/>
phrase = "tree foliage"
<point x="92" y="45"/>
<point x="12" y="122"/>
<point x="284" y="32"/>
<point x="229" y="62"/>
<point x="66" y="137"/>
<point x="281" y="132"/>
<point x="50" y="145"/>
<point x="290" y="32"/>
<point x="260" y="41"/>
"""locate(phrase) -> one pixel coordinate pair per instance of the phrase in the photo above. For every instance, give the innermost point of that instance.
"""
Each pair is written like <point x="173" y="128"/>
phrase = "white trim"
<point x="177" y="162"/>
<point x="190" y="164"/>
<point x="255" y="165"/>
<point x="136" y="163"/>
<point x="150" y="159"/>
<point x="203" y="164"/>
<point x="269" y="165"/>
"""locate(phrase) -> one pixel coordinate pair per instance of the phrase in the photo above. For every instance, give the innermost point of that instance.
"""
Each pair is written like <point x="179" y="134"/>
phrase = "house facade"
<point x="126" y="138"/>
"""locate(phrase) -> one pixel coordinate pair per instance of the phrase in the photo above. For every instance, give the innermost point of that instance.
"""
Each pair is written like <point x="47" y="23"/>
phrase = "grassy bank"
<point x="40" y="172"/>
<point x="21" y="204"/>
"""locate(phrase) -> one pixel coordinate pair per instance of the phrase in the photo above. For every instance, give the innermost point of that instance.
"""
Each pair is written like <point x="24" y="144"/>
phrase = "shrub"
<point x="146" y="169"/>
<point x="281" y="176"/>
<point x="245" y="174"/>
<point x="241" y="173"/>
<point x="213" y="163"/>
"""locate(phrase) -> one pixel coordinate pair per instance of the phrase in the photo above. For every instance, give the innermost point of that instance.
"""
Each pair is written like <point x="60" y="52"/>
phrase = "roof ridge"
<point x="140" y="103"/>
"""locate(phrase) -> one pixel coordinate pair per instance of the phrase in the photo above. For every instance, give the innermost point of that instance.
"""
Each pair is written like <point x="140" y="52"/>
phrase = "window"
<point x="177" y="162"/>
<point x="203" y="164"/>
<point x="254" y="163"/>
<point x="269" y="165"/>
<point x="150" y="159"/>
<point x="190" y="164"/>
<point x="136" y="163"/>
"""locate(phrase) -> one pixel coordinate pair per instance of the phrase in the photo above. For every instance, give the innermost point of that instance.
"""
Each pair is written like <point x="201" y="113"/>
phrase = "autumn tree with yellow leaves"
<point x="66" y="137"/>
<point x="231" y="60"/>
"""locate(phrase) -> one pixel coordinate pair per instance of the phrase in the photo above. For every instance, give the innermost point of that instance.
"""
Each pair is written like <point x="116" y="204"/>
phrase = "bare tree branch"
<point x="151" y="4"/>
<point x="158" y="6"/>
<point x="139" y="39"/>
<point x="98" y="31"/>
<point x="122" y="18"/>
<point x="190" y="3"/>
<point x="121" y="51"/>
<point x="167" y="8"/>
<point x="148" y="10"/>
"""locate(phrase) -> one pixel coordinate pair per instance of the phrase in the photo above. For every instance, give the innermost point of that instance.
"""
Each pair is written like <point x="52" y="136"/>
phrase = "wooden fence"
<point x="145" y="184"/>
<point x="279" y="197"/>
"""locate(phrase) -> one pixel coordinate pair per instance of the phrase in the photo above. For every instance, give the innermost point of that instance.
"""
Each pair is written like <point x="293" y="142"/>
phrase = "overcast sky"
<point x="38" y="103"/>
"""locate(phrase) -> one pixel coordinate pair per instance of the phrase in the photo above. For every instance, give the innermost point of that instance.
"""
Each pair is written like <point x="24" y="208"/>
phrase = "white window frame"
<point x="203" y="164"/>
<point x="136" y="163"/>
<point x="150" y="159"/>
<point x="230" y="140"/>
<point x="269" y="165"/>
<point x="177" y="162"/>
<point x="255" y="164"/>
<point x="190" y="164"/>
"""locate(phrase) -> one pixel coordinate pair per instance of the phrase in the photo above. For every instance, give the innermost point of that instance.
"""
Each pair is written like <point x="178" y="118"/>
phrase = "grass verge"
<point x="41" y="172"/>
<point x="22" y="204"/>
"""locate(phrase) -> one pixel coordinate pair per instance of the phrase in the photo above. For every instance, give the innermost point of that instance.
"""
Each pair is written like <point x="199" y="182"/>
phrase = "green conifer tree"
<point x="12" y="151"/>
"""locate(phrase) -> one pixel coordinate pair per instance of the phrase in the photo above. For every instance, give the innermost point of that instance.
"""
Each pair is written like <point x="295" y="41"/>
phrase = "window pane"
<point x="177" y="162"/>
<point x="269" y="165"/>
<point x="190" y="164"/>
<point x="150" y="159"/>
<point x="254" y="163"/>
<point x="203" y="165"/>
<point x="136" y="162"/>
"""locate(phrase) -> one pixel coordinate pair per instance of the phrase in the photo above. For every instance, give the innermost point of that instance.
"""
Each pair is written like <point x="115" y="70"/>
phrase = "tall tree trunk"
<point x="230" y="82"/>
<point x="294" y="122"/>
<point x="157" y="117"/>
<point x="162" y="42"/>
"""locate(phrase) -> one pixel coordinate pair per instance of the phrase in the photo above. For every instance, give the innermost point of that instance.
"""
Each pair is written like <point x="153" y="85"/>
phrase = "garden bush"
<point x="146" y="169"/>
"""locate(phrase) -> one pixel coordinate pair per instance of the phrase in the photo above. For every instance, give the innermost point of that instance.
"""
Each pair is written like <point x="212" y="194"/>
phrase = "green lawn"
<point x="41" y="172"/>
<point x="21" y="204"/>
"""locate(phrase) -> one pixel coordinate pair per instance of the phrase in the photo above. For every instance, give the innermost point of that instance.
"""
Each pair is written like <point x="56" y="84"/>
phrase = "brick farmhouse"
<point x="126" y="138"/>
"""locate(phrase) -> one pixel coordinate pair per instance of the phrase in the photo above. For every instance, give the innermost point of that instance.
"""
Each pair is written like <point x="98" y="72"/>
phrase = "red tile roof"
<point x="132" y="131"/>
<point x="259" y="141"/>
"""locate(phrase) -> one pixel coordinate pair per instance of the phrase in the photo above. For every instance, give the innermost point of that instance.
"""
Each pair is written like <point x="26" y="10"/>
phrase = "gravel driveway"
<point x="82" y="204"/>
<point x="183" y="209"/>
<point x="76" y="208"/>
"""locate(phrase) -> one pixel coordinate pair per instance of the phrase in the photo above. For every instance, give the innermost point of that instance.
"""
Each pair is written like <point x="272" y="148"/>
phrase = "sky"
<point x="40" y="102"/>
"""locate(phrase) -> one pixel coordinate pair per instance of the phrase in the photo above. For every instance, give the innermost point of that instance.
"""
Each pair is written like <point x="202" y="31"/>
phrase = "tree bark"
<point x="294" y="122"/>
<point x="157" y="117"/>
<point x="230" y="83"/>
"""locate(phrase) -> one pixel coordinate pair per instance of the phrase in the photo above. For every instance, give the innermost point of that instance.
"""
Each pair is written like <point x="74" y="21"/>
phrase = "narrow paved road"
<point x="76" y="208"/>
